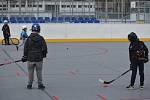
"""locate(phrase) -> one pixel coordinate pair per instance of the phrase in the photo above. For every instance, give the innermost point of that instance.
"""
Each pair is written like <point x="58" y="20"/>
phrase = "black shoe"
<point x="41" y="86"/>
<point x="130" y="87"/>
<point x="29" y="86"/>
<point x="141" y="87"/>
<point x="17" y="48"/>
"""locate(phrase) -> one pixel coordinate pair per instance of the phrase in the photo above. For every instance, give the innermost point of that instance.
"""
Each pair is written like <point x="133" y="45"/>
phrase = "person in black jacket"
<point x="35" y="49"/>
<point x="6" y="32"/>
<point x="138" y="54"/>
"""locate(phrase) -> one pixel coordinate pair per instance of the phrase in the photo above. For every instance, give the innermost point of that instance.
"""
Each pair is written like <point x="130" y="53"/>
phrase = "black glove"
<point x="24" y="59"/>
<point x="131" y="66"/>
<point x="146" y="60"/>
<point x="44" y="54"/>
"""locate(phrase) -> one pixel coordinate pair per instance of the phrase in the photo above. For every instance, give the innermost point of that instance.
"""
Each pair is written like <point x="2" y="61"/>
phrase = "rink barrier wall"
<point x="77" y="32"/>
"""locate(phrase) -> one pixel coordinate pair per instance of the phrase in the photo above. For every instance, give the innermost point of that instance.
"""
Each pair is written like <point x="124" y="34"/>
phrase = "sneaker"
<point x="29" y="86"/>
<point x="141" y="87"/>
<point x="17" y="48"/>
<point x="130" y="87"/>
<point x="41" y="86"/>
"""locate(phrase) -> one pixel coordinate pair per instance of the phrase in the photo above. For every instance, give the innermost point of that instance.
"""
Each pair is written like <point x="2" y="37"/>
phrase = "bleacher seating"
<point x="70" y="19"/>
<point x="67" y="19"/>
<point x="54" y="20"/>
<point x="13" y="20"/>
<point x="1" y="20"/>
<point x="34" y="20"/>
<point x="20" y="20"/>
<point x="60" y="19"/>
<point x="27" y="19"/>
<point x="5" y="18"/>
<point x="47" y="19"/>
<point x="40" y="20"/>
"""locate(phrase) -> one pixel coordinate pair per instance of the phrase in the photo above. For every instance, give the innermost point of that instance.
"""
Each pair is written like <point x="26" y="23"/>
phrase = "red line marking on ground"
<point x="55" y="97"/>
<point x="101" y="96"/>
<point x="72" y="72"/>
<point x="18" y="73"/>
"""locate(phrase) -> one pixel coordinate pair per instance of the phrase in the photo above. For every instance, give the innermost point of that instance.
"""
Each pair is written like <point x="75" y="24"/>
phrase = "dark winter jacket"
<point x="35" y="48"/>
<point x="6" y="30"/>
<point x="134" y="49"/>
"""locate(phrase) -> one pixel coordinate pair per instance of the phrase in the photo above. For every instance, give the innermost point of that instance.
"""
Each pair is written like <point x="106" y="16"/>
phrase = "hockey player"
<point x="23" y="36"/>
<point x="6" y="32"/>
<point x="138" y="54"/>
<point x="35" y="49"/>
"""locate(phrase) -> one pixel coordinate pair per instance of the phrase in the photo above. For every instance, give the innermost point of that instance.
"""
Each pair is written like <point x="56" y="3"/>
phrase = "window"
<point x="68" y="6"/>
<point x="22" y="5"/>
<point x="73" y="6"/>
<point x="79" y="6"/>
<point x="63" y="6"/>
<point x="12" y="5"/>
<point x="40" y="6"/>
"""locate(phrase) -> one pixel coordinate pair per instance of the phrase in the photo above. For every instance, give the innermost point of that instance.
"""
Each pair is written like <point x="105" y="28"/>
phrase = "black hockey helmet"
<point x="36" y="28"/>
<point x="132" y="37"/>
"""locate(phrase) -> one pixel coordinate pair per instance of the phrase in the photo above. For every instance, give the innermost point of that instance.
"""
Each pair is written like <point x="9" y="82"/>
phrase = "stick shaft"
<point x="10" y="62"/>
<point x="108" y="82"/>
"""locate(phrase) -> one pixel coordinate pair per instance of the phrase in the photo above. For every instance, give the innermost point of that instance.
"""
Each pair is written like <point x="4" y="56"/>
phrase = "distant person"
<point x="6" y="32"/>
<point x="138" y="54"/>
<point x="23" y="36"/>
<point x="35" y="49"/>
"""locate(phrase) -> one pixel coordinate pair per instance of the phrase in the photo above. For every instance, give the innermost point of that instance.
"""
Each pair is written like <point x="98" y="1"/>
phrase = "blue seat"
<point x="84" y="20"/>
<point x="76" y="21"/>
<point x="93" y="18"/>
<point x="47" y="19"/>
<point x="54" y="19"/>
<point x="13" y="20"/>
<point x="80" y="18"/>
<point x="27" y="19"/>
<point x="67" y="19"/>
<point x="72" y="19"/>
<point x="87" y="19"/>
<point x="20" y="20"/>
<point x="41" y="20"/>
<point x="90" y="21"/>
<point x="96" y="21"/>
<point x="5" y="18"/>
<point x="60" y="19"/>
<point x="34" y="20"/>
<point x="1" y="20"/>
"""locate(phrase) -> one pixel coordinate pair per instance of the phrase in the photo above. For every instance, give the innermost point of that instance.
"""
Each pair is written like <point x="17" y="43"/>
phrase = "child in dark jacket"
<point x="35" y="49"/>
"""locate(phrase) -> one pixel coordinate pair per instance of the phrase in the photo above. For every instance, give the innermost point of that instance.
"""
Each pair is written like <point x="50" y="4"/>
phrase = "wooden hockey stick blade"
<point x="100" y="80"/>
<point x="108" y="82"/>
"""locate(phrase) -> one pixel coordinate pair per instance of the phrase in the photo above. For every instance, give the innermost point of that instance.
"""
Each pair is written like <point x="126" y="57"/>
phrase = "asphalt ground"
<point x="71" y="72"/>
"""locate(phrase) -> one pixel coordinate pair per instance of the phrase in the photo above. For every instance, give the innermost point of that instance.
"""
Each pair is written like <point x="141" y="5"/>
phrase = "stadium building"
<point x="62" y="10"/>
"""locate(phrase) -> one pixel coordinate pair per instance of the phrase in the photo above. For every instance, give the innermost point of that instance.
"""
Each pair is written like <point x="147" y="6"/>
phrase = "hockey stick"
<point x="10" y="62"/>
<point x="108" y="82"/>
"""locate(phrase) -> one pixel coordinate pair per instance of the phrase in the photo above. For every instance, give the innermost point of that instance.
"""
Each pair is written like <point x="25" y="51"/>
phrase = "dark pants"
<point x="6" y="39"/>
<point x="136" y="65"/>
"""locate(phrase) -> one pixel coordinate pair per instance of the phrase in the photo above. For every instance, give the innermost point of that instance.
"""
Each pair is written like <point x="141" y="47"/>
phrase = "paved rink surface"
<point x="71" y="72"/>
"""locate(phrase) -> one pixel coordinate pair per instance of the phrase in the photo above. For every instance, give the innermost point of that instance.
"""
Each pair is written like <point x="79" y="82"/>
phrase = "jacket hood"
<point x="35" y="37"/>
